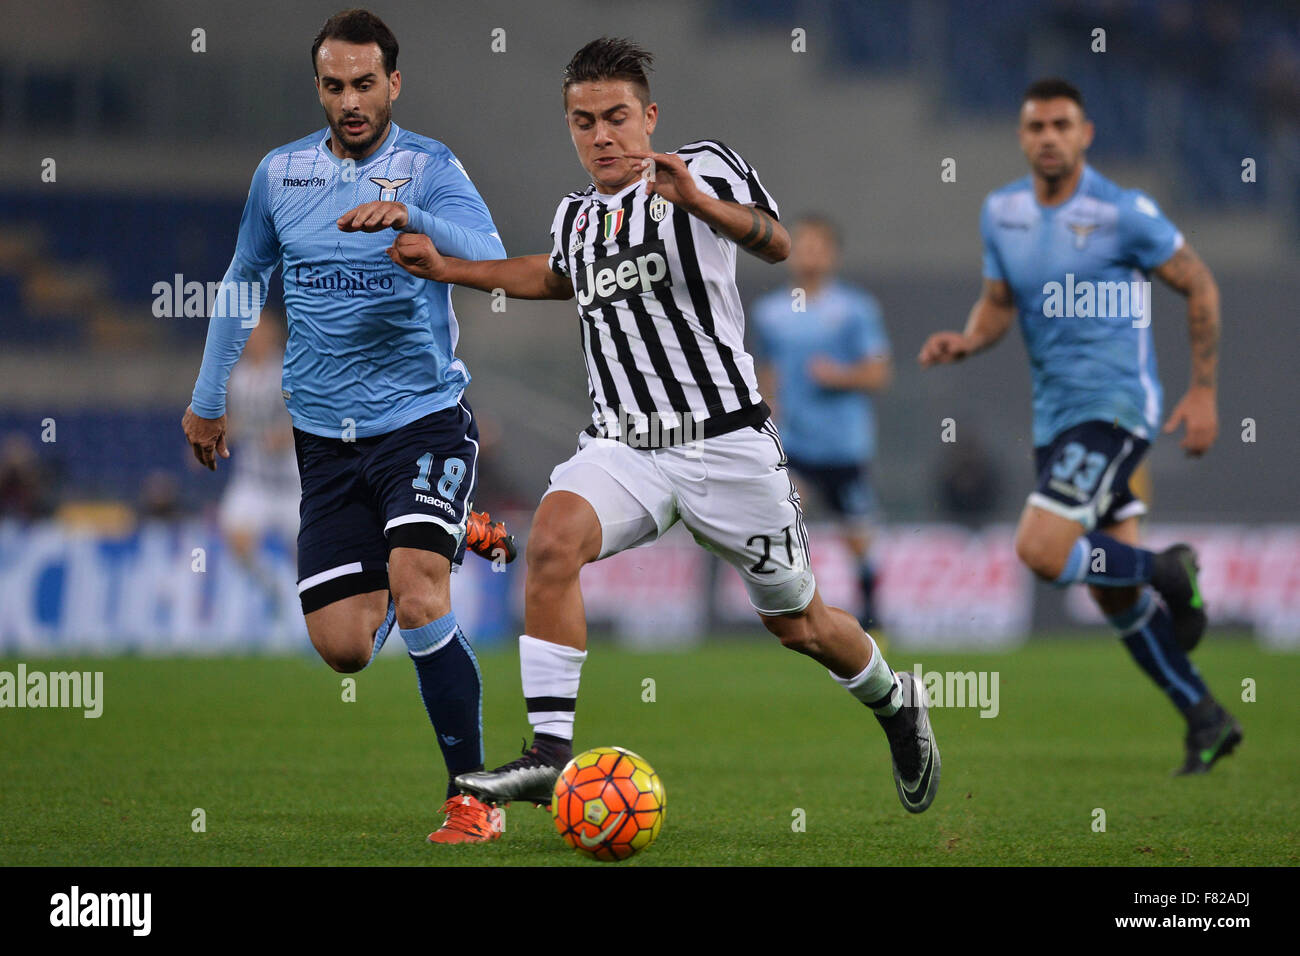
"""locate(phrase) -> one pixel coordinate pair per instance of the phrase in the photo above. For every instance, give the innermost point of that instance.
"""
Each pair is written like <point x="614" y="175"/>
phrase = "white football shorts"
<point x="256" y="507"/>
<point x="733" y="492"/>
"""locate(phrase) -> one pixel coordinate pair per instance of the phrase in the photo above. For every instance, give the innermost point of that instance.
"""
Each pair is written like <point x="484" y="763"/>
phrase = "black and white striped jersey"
<point x="661" y="321"/>
<point x="256" y="406"/>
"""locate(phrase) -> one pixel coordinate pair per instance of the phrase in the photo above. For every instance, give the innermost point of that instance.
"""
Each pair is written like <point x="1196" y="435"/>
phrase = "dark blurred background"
<point x="153" y="145"/>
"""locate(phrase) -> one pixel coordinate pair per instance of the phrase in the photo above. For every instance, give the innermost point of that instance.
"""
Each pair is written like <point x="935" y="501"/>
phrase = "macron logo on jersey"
<point x="634" y="271"/>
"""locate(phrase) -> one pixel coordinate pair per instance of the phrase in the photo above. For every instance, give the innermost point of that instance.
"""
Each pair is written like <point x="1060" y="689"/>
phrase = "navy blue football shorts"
<point x="409" y="488"/>
<point x="1083" y="474"/>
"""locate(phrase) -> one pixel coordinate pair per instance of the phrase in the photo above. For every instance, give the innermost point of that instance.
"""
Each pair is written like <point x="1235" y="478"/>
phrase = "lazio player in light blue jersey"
<point x="1067" y="253"/>
<point x="387" y="446"/>
<point x="822" y="350"/>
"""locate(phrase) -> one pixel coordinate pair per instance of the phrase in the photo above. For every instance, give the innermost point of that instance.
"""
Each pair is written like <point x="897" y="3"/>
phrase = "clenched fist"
<point x="415" y="253"/>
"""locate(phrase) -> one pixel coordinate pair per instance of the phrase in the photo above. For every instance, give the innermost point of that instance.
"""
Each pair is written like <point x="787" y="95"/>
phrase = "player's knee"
<point x="1041" y="556"/>
<point x="552" y="555"/>
<point x="416" y="609"/>
<point x="345" y="653"/>
<point x="418" y="601"/>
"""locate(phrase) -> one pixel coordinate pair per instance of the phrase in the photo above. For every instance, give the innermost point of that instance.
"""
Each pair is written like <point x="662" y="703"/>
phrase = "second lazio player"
<point x="1067" y="252"/>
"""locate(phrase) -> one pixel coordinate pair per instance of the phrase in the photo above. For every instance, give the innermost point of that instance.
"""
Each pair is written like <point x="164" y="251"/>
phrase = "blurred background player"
<point x="1096" y="394"/>
<point x="262" y="494"/>
<point x="387" y="446"/>
<point x="822" y="353"/>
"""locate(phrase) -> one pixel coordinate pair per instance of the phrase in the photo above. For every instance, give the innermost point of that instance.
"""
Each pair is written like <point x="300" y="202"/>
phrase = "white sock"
<point x="876" y="686"/>
<point x="550" y="674"/>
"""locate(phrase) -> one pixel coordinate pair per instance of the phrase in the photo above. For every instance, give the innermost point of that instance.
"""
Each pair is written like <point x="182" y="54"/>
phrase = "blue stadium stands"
<point x="1195" y="84"/>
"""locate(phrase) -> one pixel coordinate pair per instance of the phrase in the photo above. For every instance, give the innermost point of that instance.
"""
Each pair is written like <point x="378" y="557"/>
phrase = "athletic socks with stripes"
<point x="550" y="674"/>
<point x="447" y="673"/>
<point x="876" y="686"/>
<point x="1105" y="562"/>
<point x="1147" y="631"/>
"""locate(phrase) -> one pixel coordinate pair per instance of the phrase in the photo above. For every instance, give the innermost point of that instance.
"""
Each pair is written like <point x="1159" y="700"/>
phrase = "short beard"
<point x="1065" y="173"/>
<point x="358" y="150"/>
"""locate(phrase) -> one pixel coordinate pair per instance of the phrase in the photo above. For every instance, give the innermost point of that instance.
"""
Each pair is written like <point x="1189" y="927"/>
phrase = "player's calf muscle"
<point x="828" y="635"/>
<point x="1114" y="601"/>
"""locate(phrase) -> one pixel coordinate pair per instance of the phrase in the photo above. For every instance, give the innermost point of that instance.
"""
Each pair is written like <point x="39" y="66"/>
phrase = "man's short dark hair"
<point x="1051" y="88"/>
<point x="358" y="26"/>
<point x="611" y="59"/>
<point x="816" y="220"/>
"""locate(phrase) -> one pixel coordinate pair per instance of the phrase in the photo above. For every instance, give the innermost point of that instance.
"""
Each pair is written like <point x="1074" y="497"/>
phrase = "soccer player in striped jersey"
<point x="679" y="430"/>
<point x="386" y="445"/>
<point x="1067" y="252"/>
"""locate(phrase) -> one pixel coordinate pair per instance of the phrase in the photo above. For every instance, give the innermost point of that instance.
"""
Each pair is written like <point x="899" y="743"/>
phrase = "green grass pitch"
<point x="743" y="734"/>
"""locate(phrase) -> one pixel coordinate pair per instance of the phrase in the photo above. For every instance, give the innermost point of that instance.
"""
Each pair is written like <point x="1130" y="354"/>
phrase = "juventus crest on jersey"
<point x="661" y="320"/>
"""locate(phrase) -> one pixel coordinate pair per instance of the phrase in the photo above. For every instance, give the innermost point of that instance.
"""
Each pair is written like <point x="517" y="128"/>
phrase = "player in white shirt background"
<point x="263" y="493"/>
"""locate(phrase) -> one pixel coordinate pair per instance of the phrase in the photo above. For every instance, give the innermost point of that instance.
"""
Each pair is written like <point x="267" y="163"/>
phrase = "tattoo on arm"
<point x="1203" y="331"/>
<point x="998" y="291"/>
<point x="1187" y="274"/>
<point x="759" y="236"/>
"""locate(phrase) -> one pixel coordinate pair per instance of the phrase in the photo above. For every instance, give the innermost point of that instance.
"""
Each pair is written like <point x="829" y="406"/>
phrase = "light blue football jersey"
<point x="370" y="347"/>
<point x="821" y="425"/>
<point x="1078" y="272"/>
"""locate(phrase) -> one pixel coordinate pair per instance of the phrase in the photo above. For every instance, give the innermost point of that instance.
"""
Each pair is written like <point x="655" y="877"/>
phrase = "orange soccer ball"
<point x="608" y="803"/>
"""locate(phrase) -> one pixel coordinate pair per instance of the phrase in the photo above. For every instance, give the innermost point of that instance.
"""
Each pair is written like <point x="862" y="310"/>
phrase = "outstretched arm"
<point x="1187" y="274"/>
<point x="523" y="277"/>
<point x="753" y="229"/>
<point x="379" y="215"/>
<point x="989" y="320"/>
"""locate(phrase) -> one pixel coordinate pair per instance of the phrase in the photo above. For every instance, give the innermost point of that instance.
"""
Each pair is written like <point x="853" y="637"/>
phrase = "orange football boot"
<point x="489" y="539"/>
<point x="469" y="821"/>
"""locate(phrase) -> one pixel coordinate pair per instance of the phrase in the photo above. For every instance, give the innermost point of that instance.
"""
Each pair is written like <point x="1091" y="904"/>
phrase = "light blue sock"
<point x="385" y="629"/>
<point x="424" y="640"/>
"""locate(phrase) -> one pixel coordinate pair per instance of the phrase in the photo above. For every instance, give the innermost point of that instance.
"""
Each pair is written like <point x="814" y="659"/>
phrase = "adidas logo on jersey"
<point x="634" y="271"/>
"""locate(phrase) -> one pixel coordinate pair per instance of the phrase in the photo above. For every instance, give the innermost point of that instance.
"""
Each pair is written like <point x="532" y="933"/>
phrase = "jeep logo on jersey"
<point x="388" y="187"/>
<point x="634" y="271"/>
